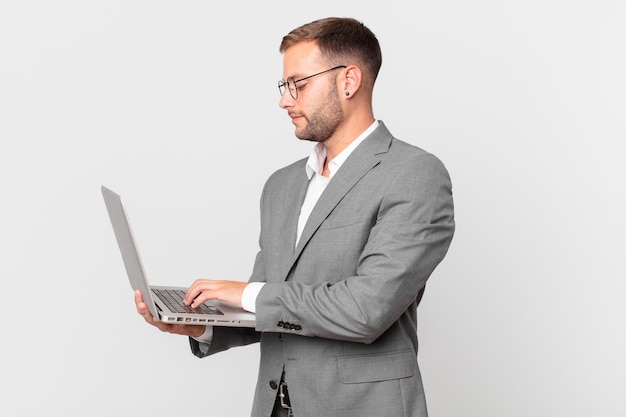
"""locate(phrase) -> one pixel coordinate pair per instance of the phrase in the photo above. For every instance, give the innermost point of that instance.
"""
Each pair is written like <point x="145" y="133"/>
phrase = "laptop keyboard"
<point x="173" y="299"/>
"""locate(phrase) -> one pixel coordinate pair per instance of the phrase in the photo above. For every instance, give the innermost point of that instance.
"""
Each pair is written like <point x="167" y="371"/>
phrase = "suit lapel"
<point x="361" y="161"/>
<point x="295" y="192"/>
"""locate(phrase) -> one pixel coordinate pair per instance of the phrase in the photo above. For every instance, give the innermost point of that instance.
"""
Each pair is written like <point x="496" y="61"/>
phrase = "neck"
<point x="345" y="135"/>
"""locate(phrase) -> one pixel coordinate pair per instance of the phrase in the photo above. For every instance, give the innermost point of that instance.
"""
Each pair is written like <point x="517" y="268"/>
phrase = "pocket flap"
<point x="380" y="367"/>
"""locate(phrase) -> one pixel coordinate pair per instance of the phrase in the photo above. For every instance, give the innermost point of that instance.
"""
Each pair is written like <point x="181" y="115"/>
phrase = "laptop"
<point x="166" y="302"/>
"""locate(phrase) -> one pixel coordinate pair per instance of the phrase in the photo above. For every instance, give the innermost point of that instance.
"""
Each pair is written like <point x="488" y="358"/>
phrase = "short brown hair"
<point x="342" y="41"/>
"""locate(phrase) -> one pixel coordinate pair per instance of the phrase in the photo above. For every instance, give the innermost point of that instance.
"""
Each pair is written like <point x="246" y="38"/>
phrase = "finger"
<point x="230" y="291"/>
<point x="192" y="292"/>
<point x="200" y="291"/>
<point x="138" y="297"/>
<point x="141" y="306"/>
<point x="211" y="290"/>
<point x="181" y="329"/>
<point x="146" y="314"/>
<point x="142" y="309"/>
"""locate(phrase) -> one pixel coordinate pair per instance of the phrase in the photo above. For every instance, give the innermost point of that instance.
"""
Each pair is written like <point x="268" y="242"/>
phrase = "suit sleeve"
<point x="410" y="232"/>
<point x="223" y="339"/>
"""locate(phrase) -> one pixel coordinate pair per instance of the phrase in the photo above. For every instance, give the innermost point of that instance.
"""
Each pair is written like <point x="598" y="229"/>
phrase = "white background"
<point x="174" y="105"/>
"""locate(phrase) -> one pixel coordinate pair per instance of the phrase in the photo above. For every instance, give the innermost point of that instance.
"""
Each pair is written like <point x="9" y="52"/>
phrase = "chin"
<point x="301" y="135"/>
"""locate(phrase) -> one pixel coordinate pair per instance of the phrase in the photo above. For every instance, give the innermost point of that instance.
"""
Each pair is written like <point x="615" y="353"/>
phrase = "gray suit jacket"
<point x="337" y="315"/>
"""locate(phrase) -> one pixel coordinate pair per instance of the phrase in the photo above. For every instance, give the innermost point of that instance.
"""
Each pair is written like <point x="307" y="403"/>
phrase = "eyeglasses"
<point x="290" y="84"/>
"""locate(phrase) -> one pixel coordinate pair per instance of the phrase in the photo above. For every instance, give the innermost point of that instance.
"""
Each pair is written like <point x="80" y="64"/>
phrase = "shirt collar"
<point x="315" y="163"/>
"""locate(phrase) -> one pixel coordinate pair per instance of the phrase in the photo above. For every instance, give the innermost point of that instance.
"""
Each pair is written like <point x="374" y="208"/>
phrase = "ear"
<point x="352" y="81"/>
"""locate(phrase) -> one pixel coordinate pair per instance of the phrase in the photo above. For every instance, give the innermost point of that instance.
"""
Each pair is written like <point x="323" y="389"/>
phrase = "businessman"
<point x="349" y="237"/>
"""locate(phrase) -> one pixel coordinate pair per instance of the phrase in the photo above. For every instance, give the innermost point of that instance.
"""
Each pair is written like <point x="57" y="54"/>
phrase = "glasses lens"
<point x="293" y="90"/>
<point x="281" y="87"/>
<point x="290" y="85"/>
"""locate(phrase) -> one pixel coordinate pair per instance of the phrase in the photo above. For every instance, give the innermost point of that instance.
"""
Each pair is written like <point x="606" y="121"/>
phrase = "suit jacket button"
<point x="298" y="327"/>
<point x="280" y="323"/>
<point x="273" y="384"/>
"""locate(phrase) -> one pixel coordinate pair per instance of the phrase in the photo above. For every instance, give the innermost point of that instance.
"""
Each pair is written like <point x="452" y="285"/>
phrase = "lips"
<point x="295" y="117"/>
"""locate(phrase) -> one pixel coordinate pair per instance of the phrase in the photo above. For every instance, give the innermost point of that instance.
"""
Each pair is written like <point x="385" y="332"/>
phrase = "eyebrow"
<point x="296" y="76"/>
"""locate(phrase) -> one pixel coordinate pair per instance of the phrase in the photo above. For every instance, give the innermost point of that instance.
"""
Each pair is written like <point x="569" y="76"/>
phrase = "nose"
<point x="285" y="100"/>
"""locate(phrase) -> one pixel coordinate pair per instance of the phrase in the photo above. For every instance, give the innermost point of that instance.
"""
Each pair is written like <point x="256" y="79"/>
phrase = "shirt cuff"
<point x="250" y="293"/>
<point x="207" y="336"/>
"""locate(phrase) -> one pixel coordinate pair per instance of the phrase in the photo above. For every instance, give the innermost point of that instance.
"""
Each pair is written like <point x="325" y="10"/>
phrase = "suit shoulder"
<point x="406" y="154"/>
<point x="402" y="147"/>
<point x="288" y="171"/>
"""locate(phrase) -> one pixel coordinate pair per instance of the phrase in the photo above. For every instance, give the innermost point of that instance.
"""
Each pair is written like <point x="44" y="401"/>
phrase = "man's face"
<point x="317" y="111"/>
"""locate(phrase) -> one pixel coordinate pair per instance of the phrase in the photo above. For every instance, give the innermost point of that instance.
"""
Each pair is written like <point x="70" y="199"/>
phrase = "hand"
<point x="182" y="329"/>
<point x="205" y="289"/>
